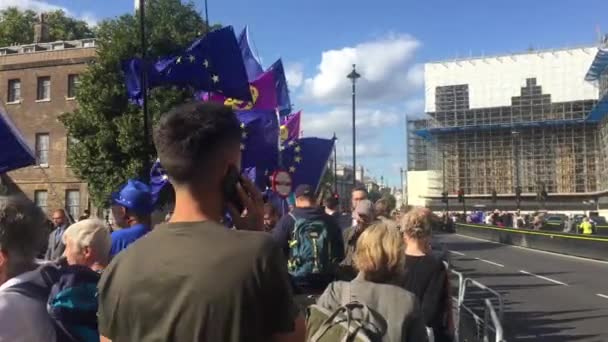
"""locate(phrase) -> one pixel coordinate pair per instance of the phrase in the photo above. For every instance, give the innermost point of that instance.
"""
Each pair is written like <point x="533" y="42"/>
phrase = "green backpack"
<point x="310" y="250"/>
<point x="351" y="322"/>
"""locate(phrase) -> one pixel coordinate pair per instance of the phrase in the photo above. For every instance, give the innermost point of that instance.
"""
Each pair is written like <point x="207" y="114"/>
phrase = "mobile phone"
<point x="231" y="179"/>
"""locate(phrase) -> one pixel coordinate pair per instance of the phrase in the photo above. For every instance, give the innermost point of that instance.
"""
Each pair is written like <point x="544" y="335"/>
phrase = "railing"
<point x="491" y="316"/>
<point x="492" y="320"/>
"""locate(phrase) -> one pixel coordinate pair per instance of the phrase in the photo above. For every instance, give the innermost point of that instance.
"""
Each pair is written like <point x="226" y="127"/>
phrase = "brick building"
<point x="38" y="83"/>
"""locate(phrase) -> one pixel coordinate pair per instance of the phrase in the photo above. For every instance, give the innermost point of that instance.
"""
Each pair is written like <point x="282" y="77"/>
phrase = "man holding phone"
<point x="191" y="279"/>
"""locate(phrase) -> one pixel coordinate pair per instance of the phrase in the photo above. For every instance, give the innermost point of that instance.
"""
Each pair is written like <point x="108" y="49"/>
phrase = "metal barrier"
<point x="491" y="316"/>
<point x="484" y="288"/>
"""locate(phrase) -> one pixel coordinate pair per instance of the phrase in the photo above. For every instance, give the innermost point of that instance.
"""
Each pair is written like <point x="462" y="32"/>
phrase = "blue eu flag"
<point x="259" y="142"/>
<point x="15" y="151"/>
<point x="281" y="87"/>
<point x="306" y="159"/>
<point x="158" y="180"/>
<point x="211" y="63"/>
<point x="252" y="65"/>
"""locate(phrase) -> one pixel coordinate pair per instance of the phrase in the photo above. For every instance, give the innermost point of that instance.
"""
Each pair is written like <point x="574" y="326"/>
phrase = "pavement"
<point x="547" y="297"/>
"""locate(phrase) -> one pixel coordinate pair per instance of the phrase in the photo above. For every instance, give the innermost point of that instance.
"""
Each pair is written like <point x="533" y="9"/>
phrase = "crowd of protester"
<point x="194" y="279"/>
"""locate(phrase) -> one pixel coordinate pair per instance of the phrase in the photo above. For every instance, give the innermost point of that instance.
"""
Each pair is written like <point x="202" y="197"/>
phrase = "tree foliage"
<point x="109" y="129"/>
<point x="17" y="27"/>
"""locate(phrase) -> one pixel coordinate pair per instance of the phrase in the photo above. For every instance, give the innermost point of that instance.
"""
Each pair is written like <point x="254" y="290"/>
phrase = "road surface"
<point x="548" y="297"/>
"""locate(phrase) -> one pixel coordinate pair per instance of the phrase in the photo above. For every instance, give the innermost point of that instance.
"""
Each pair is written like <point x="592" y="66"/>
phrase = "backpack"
<point x="310" y="250"/>
<point x="70" y="295"/>
<point x="352" y="322"/>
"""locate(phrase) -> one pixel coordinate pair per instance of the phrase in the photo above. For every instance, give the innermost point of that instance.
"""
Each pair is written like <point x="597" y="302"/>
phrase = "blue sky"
<point x="389" y="39"/>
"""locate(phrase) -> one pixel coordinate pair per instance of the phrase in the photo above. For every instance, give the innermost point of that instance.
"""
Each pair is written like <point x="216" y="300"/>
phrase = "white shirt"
<point x="23" y="319"/>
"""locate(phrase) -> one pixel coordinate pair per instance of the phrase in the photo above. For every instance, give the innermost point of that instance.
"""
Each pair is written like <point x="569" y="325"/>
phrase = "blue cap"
<point x="135" y="196"/>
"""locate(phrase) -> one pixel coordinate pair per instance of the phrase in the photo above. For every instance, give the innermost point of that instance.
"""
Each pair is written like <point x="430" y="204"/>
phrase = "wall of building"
<point x="33" y="117"/>
<point x="422" y="184"/>
<point x="492" y="81"/>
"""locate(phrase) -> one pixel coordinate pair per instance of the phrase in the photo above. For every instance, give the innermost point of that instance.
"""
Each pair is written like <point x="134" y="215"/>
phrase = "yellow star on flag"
<point x="242" y="125"/>
<point x="244" y="135"/>
<point x="297" y="149"/>
<point x="178" y="60"/>
<point x="292" y="169"/>
<point x="206" y="63"/>
<point x="215" y="78"/>
<point x="298" y="159"/>
<point x="291" y="143"/>
<point x="191" y="58"/>
<point x="242" y="147"/>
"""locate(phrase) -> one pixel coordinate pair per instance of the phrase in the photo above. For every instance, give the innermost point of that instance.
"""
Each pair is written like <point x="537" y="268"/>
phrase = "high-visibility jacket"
<point x="587" y="228"/>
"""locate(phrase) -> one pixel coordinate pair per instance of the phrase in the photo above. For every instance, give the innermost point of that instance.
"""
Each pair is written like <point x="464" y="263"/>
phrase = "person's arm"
<point x="281" y="318"/>
<point x="434" y="296"/>
<point x="49" y="247"/>
<point x="337" y="241"/>
<point x="283" y="230"/>
<point x="104" y="339"/>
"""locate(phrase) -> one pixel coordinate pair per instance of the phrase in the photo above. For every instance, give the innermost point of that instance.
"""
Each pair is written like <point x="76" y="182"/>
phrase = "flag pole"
<point x="208" y="26"/>
<point x="144" y="82"/>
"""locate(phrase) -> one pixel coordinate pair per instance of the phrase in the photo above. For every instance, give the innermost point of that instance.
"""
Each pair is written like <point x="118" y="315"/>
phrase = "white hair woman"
<point x="425" y="275"/>
<point x="88" y="243"/>
<point x="380" y="258"/>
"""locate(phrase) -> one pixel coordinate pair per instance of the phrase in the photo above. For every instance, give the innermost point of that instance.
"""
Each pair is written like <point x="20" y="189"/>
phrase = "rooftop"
<point x="45" y="47"/>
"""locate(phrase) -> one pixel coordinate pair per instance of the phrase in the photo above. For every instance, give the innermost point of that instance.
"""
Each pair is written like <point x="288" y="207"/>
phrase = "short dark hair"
<point x="360" y="188"/>
<point x="270" y="209"/>
<point x="190" y="136"/>
<point x="381" y="207"/>
<point x="22" y="228"/>
<point x="330" y="202"/>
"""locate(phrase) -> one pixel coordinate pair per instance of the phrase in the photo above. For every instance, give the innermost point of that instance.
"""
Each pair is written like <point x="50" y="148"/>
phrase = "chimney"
<point x="41" y="30"/>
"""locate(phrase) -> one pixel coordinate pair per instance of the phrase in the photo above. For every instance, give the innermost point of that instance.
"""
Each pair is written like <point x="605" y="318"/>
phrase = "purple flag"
<point x="252" y="65"/>
<point x="262" y="92"/>
<point x="290" y="128"/>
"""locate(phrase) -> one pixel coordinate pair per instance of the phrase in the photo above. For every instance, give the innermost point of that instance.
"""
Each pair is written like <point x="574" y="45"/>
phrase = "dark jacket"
<point x="283" y="232"/>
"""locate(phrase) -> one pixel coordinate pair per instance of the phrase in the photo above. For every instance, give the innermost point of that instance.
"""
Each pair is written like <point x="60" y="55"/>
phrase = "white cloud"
<point x="294" y="73"/>
<point x="43" y="6"/>
<point x="369" y="122"/>
<point x="414" y="106"/>
<point x="386" y="65"/>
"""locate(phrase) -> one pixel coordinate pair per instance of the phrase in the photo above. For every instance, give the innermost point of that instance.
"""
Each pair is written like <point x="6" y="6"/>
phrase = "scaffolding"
<point x="543" y="144"/>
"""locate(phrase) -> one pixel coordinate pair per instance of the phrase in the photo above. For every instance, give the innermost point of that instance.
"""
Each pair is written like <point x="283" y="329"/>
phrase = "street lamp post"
<point x="335" y="166"/>
<point x="353" y="76"/>
<point x="144" y="82"/>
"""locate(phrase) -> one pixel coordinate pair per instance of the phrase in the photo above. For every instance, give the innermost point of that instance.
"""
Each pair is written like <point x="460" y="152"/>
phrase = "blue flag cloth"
<point x="252" y="65"/>
<point x="211" y="63"/>
<point x="306" y="159"/>
<point x="132" y="70"/>
<point x="281" y="87"/>
<point x="158" y="180"/>
<point x="14" y="152"/>
<point x="259" y="141"/>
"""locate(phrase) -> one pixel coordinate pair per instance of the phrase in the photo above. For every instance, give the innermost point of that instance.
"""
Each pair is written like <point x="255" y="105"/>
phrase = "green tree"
<point x="17" y="27"/>
<point x="109" y="129"/>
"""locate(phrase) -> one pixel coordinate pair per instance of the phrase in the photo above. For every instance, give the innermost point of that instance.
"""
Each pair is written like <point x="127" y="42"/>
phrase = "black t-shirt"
<point x="197" y="282"/>
<point x="426" y="277"/>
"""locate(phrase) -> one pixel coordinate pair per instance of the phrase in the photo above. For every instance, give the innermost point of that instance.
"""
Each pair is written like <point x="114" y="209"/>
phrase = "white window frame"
<point x="11" y="91"/>
<point x="39" y="149"/>
<point x="40" y="88"/>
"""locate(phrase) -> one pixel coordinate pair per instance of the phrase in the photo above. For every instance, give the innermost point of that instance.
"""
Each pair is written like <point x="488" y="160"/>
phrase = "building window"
<point x="44" y="88"/>
<point x="72" y="203"/>
<point x="42" y="149"/>
<point x="73" y="84"/>
<point x="14" y="91"/>
<point x="40" y="198"/>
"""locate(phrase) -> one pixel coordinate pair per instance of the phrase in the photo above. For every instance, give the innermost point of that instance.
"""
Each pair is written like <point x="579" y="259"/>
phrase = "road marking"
<point x="537" y="250"/>
<point x="490" y="262"/>
<point x="602" y="295"/>
<point x="457" y="253"/>
<point x="545" y="278"/>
